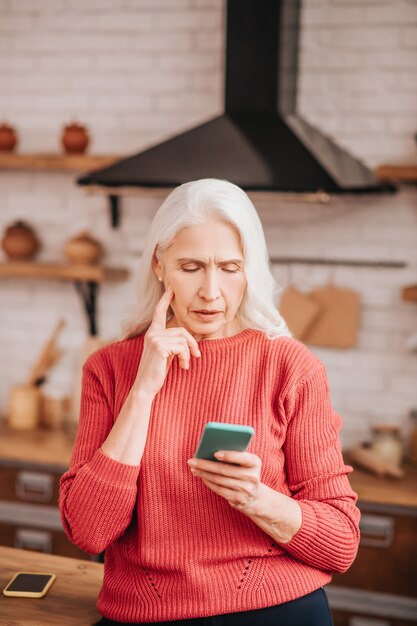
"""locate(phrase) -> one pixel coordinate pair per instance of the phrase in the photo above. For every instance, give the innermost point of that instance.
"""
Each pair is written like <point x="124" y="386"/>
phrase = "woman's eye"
<point x="195" y="269"/>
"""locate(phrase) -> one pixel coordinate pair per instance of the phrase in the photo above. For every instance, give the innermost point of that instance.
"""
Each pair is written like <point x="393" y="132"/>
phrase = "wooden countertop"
<point x="40" y="447"/>
<point x="393" y="492"/>
<point x="71" y="600"/>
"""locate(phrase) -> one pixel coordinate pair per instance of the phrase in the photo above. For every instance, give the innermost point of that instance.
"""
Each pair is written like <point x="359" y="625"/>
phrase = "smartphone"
<point x="29" y="584"/>
<point x="220" y="436"/>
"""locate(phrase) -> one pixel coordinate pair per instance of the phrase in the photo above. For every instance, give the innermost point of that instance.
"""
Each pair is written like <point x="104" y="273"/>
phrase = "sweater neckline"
<point x="214" y="345"/>
<point x="210" y="345"/>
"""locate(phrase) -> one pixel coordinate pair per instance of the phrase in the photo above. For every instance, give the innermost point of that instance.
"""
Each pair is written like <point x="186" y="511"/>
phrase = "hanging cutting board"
<point x="299" y="311"/>
<point x="338" y="323"/>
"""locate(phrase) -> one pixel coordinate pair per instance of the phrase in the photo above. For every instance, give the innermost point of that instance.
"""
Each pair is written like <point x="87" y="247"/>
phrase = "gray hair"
<point x="192" y="204"/>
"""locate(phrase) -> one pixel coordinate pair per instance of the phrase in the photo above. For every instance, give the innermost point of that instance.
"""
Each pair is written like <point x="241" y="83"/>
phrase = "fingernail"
<point x="219" y="455"/>
<point x="191" y="462"/>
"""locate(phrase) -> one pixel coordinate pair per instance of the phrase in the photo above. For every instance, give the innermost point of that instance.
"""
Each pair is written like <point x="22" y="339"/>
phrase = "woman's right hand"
<point x="161" y="345"/>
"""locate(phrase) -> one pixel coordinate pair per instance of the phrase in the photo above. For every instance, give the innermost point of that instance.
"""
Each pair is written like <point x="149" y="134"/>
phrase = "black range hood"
<point x="260" y="142"/>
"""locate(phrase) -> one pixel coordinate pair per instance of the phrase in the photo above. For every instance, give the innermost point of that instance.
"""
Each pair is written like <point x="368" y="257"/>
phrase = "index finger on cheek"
<point x="159" y="315"/>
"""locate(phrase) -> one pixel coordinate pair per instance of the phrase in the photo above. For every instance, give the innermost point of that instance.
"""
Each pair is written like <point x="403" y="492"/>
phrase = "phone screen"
<point x="29" y="584"/>
<point x="223" y="436"/>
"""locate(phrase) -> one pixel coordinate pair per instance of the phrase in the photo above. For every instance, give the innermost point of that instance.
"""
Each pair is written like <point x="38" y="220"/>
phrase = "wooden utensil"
<point x="338" y="323"/>
<point x="47" y="357"/>
<point x="299" y="311"/>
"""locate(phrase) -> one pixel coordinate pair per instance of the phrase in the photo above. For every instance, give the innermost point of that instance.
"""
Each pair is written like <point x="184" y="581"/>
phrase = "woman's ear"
<point x="157" y="266"/>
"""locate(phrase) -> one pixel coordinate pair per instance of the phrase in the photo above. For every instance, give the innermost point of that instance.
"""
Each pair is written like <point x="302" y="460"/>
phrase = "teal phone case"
<point x="220" y="436"/>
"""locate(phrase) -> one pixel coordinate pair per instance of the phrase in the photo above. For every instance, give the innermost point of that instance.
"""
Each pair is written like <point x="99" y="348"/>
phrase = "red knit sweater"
<point x="176" y="550"/>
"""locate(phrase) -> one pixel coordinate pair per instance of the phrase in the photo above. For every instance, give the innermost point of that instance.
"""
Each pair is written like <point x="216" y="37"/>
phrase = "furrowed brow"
<point x="199" y="262"/>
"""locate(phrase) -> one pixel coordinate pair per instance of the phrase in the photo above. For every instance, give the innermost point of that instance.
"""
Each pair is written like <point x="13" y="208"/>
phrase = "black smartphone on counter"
<point x="29" y="584"/>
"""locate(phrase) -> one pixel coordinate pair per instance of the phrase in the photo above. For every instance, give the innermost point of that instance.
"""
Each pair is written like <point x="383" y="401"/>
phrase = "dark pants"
<point x="310" y="610"/>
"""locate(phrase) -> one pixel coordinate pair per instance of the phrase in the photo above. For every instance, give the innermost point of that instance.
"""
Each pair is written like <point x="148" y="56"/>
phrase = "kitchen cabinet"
<point x="31" y="464"/>
<point x="380" y="588"/>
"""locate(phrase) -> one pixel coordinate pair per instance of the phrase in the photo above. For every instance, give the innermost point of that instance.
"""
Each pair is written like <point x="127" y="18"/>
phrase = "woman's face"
<point x="204" y="266"/>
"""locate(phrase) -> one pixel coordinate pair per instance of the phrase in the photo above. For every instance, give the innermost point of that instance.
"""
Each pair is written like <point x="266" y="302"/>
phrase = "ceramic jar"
<point x="20" y="242"/>
<point x="387" y="443"/>
<point x="24" y="407"/>
<point x="83" y="249"/>
<point x="75" y="138"/>
<point x="8" y="138"/>
<point x="55" y="408"/>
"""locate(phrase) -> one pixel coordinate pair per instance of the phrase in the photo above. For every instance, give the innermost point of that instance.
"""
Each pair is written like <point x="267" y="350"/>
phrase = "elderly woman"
<point x="252" y="537"/>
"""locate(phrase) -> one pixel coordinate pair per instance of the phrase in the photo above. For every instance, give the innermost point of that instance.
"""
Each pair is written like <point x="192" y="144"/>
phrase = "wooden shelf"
<point x="84" y="273"/>
<point x="401" y="173"/>
<point x="86" y="279"/>
<point x="410" y="293"/>
<point x="55" y="161"/>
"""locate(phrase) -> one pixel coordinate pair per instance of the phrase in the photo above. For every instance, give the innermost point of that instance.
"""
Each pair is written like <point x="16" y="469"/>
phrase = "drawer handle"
<point x="34" y="487"/>
<point x="36" y="540"/>
<point x="376" y="531"/>
<point x="368" y="621"/>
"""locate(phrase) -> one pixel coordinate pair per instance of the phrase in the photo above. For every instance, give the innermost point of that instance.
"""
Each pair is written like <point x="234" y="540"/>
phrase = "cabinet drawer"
<point x="35" y="527"/>
<point x="387" y="555"/>
<point x="39" y="540"/>
<point x="342" y="618"/>
<point x="354" y="607"/>
<point x="21" y="485"/>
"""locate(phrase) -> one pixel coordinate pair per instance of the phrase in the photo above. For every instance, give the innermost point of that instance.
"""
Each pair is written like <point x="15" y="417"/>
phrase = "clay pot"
<point x="83" y="249"/>
<point x="20" y="241"/>
<point x="75" y="138"/>
<point x="8" y="138"/>
<point x="387" y="443"/>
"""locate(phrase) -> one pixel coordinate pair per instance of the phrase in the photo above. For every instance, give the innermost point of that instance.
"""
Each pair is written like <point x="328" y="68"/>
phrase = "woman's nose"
<point x="210" y="288"/>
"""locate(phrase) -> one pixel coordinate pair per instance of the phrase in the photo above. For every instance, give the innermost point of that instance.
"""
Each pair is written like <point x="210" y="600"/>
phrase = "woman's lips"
<point x="207" y="315"/>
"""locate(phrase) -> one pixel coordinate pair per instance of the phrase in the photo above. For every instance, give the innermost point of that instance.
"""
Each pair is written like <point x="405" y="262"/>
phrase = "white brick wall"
<point x="137" y="71"/>
<point x="107" y="64"/>
<point x="358" y="61"/>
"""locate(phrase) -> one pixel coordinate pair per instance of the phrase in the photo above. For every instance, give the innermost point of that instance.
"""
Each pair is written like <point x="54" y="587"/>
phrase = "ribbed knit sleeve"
<point x="317" y="476"/>
<point x="97" y="493"/>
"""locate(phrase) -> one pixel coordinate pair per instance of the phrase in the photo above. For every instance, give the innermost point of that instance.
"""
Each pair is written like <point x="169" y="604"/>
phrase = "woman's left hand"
<point x="236" y="476"/>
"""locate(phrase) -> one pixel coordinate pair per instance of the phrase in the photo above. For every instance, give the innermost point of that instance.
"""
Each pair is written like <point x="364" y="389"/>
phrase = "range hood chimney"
<point x="260" y="142"/>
